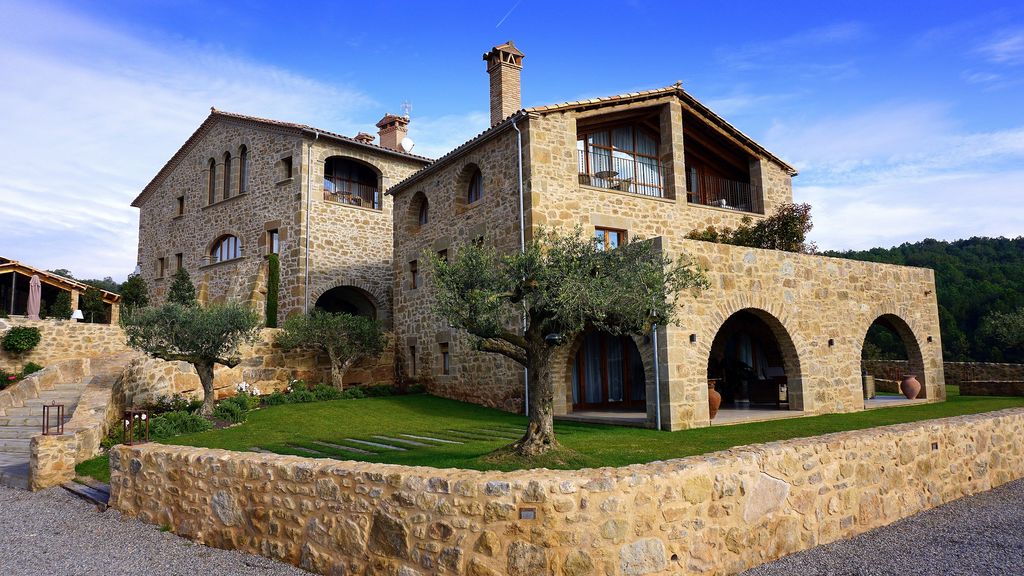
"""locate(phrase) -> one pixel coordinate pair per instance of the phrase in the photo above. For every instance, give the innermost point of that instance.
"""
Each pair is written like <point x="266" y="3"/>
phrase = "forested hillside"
<point x="974" y="278"/>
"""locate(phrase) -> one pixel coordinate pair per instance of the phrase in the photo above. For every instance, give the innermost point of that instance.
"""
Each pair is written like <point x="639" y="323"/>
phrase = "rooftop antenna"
<point x="406" y="108"/>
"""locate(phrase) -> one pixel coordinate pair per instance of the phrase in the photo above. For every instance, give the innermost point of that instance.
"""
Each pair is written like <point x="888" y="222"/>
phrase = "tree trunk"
<point x="205" y="372"/>
<point x="540" y="431"/>
<point x="338" y="370"/>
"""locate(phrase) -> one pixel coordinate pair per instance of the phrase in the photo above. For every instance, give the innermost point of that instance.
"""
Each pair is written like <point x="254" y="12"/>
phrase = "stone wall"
<point x="992" y="388"/>
<point x="264" y="365"/>
<point x="715" y="514"/>
<point x="956" y="372"/>
<point x="63" y="340"/>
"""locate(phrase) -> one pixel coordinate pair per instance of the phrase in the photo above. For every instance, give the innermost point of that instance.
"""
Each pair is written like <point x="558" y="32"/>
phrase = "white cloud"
<point x="796" y="52"/>
<point x="1006" y="47"/>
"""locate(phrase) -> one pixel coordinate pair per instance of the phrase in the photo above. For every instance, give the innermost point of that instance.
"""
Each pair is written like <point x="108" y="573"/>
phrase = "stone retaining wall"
<point x="712" y="514"/>
<point x="265" y="365"/>
<point x="64" y="340"/>
<point x="47" y="379"/>
<point x="992" y="388"/>
<point x="956" y="372"/>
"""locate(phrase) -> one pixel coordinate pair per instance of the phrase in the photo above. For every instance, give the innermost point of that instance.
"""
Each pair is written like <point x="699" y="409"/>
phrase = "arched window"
<point x="212" y="182"/>
<point x="424" y="213"/>
<point x="476" y="186"/>
<point x="225" y="248"/>
<point x="227" y="175"/>
<point x="243" y="169"/>
<point x="350" y="182"/>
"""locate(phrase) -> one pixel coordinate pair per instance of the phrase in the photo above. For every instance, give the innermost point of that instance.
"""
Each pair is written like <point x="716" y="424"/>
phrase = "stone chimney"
<point x="365" y="138"/>
<point x="392" y="130"/>
<point x="504" y="63"/>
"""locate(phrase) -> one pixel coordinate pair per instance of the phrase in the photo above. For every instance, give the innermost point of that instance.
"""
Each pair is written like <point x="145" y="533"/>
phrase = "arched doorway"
<point x="890" y="352"/>
<point x="348" y="300"/>
<point x="753" y="363"/>
<point x="608" y="373"/>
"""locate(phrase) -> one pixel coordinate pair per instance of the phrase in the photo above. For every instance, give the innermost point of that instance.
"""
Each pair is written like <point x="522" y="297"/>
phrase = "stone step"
<point x="31" y="421"/>
<point x="37" y="410"/>
<point x="19" y="431"/>
<point x="21" y="451"/>
<point x="15" y="442"/>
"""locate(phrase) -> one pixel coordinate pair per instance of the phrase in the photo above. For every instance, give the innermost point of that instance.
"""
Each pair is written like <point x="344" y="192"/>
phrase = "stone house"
<point x="243" y="187"/>
<point x="776" y="330"/>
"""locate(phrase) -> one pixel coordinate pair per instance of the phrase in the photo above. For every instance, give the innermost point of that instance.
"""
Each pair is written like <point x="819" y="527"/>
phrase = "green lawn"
<point x="289" y="429"/>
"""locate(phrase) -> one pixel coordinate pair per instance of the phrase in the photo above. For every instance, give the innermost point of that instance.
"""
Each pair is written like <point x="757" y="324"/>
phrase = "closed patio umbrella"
<point x="35" y="290"/>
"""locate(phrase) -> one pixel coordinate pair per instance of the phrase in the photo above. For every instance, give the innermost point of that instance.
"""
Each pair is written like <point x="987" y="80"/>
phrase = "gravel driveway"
<point x="53" y="533"/>
<point x="978" y="535"/>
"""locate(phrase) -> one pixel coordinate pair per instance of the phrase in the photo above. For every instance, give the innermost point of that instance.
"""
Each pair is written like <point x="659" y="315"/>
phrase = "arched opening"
<point x="419" y="213"/>
<point x="348" y="300"/>
<point x="227" y="175"/>
<point x="348" y="181"/>
<point x="607" y="373"/>
<point x="211" y="181"/>
<point x="889" y="354"/>
<point x="753" y="364"/>
<point x="225" y="248"/>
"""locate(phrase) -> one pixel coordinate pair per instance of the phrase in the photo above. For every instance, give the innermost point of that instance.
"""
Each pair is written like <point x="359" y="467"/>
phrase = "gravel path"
<point x="978" y="535"/>
<point x="53" y="533"/>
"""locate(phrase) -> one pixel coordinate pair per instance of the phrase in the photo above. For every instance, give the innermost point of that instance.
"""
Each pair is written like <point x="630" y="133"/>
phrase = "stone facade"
<point x="818" y="309"/>
<point x="63" y="340"/>
<point x="347" y="244"/>
<point x="715" y="514"/>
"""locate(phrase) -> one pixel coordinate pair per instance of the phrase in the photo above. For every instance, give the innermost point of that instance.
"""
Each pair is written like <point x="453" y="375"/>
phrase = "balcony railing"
<point x="621" y="171"/>
<point x="721" y="193"/>
<point x="352" y="193"/>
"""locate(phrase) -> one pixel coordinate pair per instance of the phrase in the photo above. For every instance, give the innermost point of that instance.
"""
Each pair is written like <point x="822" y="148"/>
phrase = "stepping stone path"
<point x="442" y="440"/>
<point x="404" y="441"/>
<point x="342" y="447"/>
<point x="499" y="433"/>
<point x="377" y="445"/>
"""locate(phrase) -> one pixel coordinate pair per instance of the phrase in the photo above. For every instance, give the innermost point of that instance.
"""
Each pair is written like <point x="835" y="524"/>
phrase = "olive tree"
<point x="201" y="336"/>
<point x="524" y="305"/>
<point x="345" y="339"/>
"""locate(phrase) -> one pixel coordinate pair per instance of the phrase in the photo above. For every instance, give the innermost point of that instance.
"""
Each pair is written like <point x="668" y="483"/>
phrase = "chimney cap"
<point x="391" y="119"/>
<point x="506" y="48"/>
<point x="365" y="137"/>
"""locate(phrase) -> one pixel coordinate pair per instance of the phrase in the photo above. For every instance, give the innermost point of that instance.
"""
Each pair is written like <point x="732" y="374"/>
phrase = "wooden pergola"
<point x="14" y="281"/>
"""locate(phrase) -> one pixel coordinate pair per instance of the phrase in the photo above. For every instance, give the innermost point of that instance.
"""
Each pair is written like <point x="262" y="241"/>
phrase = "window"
<point x="181" y="205"/>
<point x="414" y="275"/>
<point x="179" y="261"/>
<point x="446" y="365"/>
<point x="273" y="242"/>
<point x="211" y="185"/>
<point x="227" y="248"/>
<point x="284" y="168"/>
<point x="621" y="158"/>
<point x="243" y="170"/>
<point x="227" y="175"/>
<point x="609" y="238"/>
<point x="424" y="213"/>
<point x="442" y="255"/>
<point x="412" y="361"/>
<point x="160" y="267"/>
<point x="349" y="182"/>
<point x="476" y="186"/>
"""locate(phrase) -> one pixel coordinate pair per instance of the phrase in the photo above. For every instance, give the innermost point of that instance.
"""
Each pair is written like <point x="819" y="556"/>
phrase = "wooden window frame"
<point x="180" y="205"/>
<point x="226" y="249"/>
<point x="607" y="232"/>
<point x="610" y="150"/>
<point x="274" y="241"/>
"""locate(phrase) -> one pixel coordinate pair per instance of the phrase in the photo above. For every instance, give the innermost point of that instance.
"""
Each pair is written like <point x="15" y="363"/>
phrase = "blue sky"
<point x="906" y="119"/>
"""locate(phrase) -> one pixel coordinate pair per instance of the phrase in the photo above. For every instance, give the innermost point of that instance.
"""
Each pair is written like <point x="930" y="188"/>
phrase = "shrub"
<point x="174" y="403"/>
<point x="182" y="291"/>
<point x="21" y="339"/>
<point x="7" y="378"/>
<point x="30" y="368"/>
<point x="785" y="230"/>
<point x="273" y="289"/>
<point x="175" y="423"/>
<point x="274" y="399"/>
<point x="229" y="412"/>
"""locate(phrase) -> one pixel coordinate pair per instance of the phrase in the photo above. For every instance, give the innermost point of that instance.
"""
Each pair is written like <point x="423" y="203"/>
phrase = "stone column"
<point x="671" y="151"/>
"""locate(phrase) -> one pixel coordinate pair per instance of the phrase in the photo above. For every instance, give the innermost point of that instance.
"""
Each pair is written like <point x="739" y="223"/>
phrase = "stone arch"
<point x="348" y="299"/>
<point x="907" y="334"/>
<point x="773" y="318"/>
<point x="467" y="173"/>
<point x="418" y="213"/>
<point x="207" y="257"/>
<point x="565" y="358"/>
<point x="381" y="301"/>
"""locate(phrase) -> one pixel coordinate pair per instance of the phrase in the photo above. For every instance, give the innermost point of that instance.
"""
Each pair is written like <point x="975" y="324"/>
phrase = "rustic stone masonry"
<point x="817" y="308"/>
<point x="715" y="514"/>
<point x="63" y="340"/>
<point x="348" y="244"/>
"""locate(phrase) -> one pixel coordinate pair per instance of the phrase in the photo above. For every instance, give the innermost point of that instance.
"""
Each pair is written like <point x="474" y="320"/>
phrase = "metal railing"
<point x="621" y="171"/>
<point x="353" y="193"/>
<point x="721" y="193"/>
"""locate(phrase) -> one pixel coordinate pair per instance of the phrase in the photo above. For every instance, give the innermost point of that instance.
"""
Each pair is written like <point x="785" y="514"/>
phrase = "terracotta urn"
<point x="910" y="387"/>
<point x="714" y="398"/>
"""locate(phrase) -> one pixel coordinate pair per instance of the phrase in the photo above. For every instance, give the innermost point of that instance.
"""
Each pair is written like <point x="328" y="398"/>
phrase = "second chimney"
<point x="504" y="64"/>
<point x="392" y="130"/>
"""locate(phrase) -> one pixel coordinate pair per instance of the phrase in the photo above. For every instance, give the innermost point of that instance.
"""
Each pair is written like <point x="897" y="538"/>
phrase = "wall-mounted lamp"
<point x="77" y="315"/>
<point x="831" y="342"/>
<point x="693" y="338"/>
<point x="930" y="339"/>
